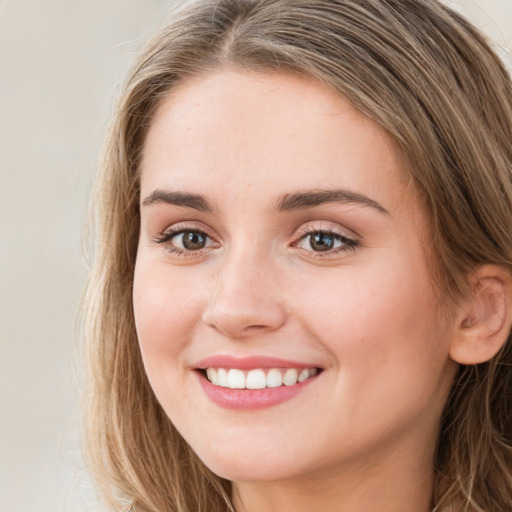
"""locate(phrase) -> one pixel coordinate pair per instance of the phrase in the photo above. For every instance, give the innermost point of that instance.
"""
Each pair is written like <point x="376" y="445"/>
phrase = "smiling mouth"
<point x="258" y="378"/>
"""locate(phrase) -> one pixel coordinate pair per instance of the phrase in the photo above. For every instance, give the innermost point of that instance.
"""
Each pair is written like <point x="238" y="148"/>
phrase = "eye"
<point x="325" y="241"/>
<point x="184" y="241"/>
<point x="190" y="240"/>
<point x="320" y="241"/>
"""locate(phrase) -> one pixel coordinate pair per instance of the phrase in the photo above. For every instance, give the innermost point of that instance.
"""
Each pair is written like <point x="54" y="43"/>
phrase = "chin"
<point x="248" y="465"/>
<point x="249" y="471"/>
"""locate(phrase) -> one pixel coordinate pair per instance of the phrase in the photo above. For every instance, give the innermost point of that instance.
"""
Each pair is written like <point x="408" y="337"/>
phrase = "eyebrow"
<point x="285" y="203"/>
<point x="303" y="200"/>
<point x="183" y="199"/>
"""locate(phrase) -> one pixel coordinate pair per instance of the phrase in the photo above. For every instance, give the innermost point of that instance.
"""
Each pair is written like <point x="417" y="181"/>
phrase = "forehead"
<point x="231" y="131"/>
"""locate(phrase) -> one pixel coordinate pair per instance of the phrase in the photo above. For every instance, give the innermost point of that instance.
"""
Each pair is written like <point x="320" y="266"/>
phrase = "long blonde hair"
<point x="430" y="79"/>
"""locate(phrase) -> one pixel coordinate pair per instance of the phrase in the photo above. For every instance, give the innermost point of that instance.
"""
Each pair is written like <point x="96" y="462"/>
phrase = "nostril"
<point x="239" y="317"/>
<point x="254" y="327"/>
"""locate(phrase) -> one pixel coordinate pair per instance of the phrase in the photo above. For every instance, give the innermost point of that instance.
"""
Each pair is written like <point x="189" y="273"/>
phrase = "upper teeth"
<point x="258" y="378"/>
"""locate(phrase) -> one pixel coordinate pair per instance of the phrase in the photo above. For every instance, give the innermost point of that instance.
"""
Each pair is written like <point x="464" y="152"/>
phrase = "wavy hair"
<point x="430" y="79"/>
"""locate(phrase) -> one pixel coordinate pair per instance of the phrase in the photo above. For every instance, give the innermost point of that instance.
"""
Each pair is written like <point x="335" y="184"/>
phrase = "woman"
<point x="301" y="290"/>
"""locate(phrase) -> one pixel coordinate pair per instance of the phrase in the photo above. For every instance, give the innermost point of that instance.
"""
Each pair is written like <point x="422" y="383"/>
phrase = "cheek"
<point x="166" y="311"/>
<point x="375" y="306"/>
<point x="381" y="327"/>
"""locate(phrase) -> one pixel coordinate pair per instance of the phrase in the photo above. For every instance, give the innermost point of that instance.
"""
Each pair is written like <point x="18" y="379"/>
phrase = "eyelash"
<point x="347" y="243"/>
<point x="165" y="238"/>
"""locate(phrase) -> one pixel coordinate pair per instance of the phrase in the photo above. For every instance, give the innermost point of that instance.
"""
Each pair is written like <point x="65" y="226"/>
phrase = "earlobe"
<point x="485" y="317"/>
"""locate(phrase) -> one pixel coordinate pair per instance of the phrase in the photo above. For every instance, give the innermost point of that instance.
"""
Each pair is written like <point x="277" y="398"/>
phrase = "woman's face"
<point x="280" y="240"/>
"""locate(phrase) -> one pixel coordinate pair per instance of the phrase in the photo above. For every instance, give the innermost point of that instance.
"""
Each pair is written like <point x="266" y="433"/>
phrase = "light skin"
<point x="255" y="165"/>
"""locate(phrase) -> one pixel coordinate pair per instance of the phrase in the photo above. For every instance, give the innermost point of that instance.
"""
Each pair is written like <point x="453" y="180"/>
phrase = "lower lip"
<point x="251" y="398"/>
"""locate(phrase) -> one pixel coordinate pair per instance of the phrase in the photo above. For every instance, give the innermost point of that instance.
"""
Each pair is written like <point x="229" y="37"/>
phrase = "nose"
<point x="246" y="299"/>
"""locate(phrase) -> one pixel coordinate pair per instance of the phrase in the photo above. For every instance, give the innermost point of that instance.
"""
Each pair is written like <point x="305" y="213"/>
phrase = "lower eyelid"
<point x="339" y="252"/>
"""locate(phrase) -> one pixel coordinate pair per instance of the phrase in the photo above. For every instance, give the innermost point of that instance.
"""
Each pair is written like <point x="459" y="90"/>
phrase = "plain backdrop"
<point x="61" y="63"/>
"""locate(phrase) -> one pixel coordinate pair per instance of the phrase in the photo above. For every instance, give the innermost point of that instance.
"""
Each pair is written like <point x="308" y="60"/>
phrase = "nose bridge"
<point x="244" y="297"/>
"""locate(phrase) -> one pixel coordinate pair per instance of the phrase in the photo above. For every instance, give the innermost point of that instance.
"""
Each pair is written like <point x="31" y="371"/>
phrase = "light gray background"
<point x="60" y="65"/>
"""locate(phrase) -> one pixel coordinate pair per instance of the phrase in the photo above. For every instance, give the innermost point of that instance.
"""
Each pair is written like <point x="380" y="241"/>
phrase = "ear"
<point x="484" y="318"/>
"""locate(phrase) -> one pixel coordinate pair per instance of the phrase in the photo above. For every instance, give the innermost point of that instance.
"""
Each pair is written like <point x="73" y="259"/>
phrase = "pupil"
<point x="193" y="240"/>
<point x="322" y="242"/>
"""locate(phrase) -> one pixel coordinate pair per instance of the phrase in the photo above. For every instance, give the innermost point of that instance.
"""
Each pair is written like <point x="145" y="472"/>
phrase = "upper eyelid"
<point x="327" y="227"/>
<point x="299" y="233"/>
<point x="179" y="227"/>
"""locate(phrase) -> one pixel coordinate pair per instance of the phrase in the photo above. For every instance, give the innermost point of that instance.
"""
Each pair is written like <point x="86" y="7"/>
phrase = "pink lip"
<point x="249" y="363"/>
<point x="251" y="398"/>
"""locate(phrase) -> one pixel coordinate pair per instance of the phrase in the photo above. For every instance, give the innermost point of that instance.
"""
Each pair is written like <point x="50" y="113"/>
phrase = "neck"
<point x="395" y="482"/>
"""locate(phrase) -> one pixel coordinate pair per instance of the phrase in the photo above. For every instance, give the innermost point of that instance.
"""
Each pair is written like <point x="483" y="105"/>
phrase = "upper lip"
<point x="249" y="363"/>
